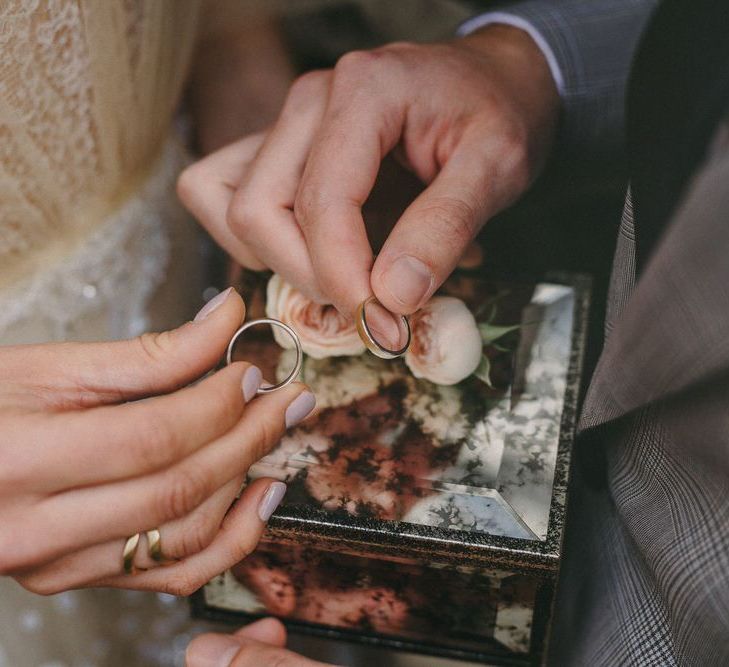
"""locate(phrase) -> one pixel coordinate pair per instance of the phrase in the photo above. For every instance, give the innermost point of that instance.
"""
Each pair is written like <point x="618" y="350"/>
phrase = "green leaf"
<point x="489" y="305"/>
<point x="487" y="311"/>
<point x="492" y="332"/>
<point x="483" y="372"/>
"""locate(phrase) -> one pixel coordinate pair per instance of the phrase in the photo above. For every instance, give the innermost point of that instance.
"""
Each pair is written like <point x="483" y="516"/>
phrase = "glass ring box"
<point x="421" y="516"/>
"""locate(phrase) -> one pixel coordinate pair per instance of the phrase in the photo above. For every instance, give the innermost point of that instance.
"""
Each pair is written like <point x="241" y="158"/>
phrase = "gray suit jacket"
<point x="593" y="42"/>
<point x="645" y="580"/>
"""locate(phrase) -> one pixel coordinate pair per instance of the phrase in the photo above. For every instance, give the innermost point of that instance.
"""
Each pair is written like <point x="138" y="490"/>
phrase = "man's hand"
<point x="473" y="118"/>
<point x="260" y="643"/>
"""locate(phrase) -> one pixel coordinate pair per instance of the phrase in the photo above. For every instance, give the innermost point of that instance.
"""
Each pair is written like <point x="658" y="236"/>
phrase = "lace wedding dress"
<point x="93" y="245"/>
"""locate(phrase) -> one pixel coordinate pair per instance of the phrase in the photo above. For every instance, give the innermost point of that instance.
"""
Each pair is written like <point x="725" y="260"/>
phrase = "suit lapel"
<point x="678" y="93"/>
<point x="672" y="329"/>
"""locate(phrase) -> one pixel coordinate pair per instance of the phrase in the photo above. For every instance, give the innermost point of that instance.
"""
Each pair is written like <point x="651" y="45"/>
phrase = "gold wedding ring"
<point x="154" y="547"/>
<point x="365" y="331"/>
<point x="288" y="330"/>
<point x="130" y="550"/>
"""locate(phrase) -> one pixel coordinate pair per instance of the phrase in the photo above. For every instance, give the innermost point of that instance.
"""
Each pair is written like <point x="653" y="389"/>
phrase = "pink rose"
<point x="323" y="331"/>
<point x="446" y="345"/>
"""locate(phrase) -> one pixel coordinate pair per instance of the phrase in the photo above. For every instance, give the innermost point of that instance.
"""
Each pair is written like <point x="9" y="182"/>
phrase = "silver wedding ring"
<point x="267" y="389"/>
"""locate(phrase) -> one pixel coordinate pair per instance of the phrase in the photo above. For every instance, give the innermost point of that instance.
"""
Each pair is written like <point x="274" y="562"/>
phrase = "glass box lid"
<point x="402" y="466"/>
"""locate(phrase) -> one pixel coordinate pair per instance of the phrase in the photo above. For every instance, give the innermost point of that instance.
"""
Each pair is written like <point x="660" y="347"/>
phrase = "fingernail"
<point x="271" y="500"/>
<point x="408" y="281"/>
<point x="213" y="651"/>
<point x="300" y="408"/>
<point x="384" y="326"/>
<point x="211" y="305"/>
<point x="251" y="382"/>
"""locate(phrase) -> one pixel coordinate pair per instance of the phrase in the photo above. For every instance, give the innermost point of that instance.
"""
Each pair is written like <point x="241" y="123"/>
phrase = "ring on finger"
<point x="371" y="341"/>
<point x="130" y="550"/>
<point x="154" y="549"/>
<point x="154" y="545"/>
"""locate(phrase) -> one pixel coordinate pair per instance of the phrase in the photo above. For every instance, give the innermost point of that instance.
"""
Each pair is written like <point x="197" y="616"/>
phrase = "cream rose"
<point x="323" y="331"/>
<point x="446" y="345"/>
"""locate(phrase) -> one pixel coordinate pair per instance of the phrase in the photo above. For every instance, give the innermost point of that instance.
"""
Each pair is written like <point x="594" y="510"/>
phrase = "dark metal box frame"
<point x="381" y="540"/>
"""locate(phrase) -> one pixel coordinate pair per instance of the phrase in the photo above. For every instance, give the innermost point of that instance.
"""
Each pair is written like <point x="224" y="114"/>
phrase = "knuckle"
<point x="514" y="138"/>
<point x="311" y="202"/>
<point x="264" y="435"/>
<point x="226" y="399"/>
<point x="355" y="64"/>
<point x="244" y="549"/>
<point x="223" y="395"/>
<point x="155" y="347"/>
<point x="248" y="261"/>
<point x="8" y="563"/>
<point x="15" y="475"/>
<point x="521" y="176"/>
<point x="14" y="557"/>
<point x="282" y="658"/>
<point x="230" y="401"/>
<point x="302" y="204"/>
<point x="161" y="352"/>
<point x="181" y="584"/>
<point x="514" y="153"/>
<point x="401" y="45"/>
<point x="9" y="475"/>
<point x="254" y="655"/>
<point x="39" y="584"/>
<point x="196" y="538"/>
<point x="188" y="183"/>
<point x="243" y="214"/>
<point x="185" y="489"/>
<point x="453" y="221"/>
<point x="197" y="652"/>
<point x="156" y="443"/>
<point x="259" y="436"/>
<point x="308" y="86"/>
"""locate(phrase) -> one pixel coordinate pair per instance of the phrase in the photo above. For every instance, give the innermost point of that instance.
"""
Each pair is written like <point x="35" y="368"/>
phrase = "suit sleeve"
<point x="589" y="45"/>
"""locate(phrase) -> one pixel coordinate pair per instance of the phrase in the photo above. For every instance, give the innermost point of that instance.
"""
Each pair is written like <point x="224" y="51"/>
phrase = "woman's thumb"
<point x="87" y="374"/>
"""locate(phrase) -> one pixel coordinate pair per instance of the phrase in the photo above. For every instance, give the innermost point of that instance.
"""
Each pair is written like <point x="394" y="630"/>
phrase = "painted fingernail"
<point x="408" y="281"/>
<point x="251" y="382"/>
<point x="271" y="500"/>
<point x="211" y="305"/>
<point x="300" y="408"/>
<point x="212" y="650"/>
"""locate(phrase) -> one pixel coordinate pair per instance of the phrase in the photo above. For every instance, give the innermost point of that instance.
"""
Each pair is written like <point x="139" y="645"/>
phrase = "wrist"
<point x="519" y="48"/>
<point x="526" y="74"/>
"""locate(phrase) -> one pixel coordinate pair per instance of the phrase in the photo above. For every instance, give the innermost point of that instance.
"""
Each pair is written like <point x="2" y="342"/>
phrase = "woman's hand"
<point x="260" y="643"/>
<point x="84" y="463"/>
<point x="474" y="119"/>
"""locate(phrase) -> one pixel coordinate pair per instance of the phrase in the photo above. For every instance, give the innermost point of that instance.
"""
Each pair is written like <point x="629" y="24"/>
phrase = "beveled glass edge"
<point x="371" y="537"/>
<point x="494" y="651"/>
